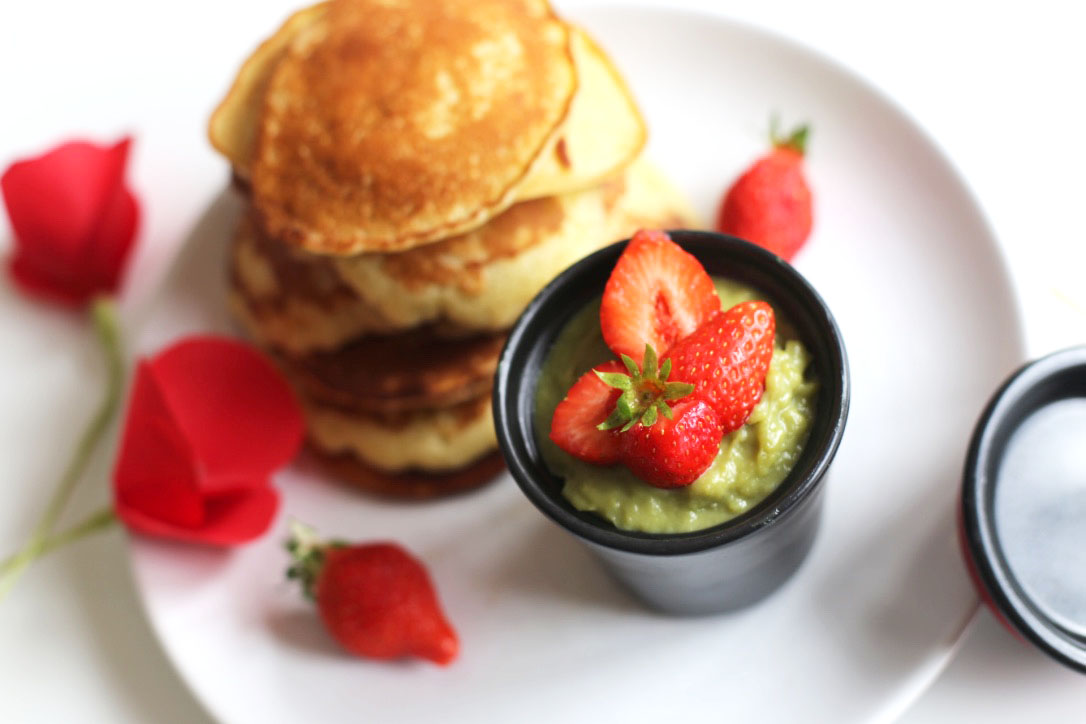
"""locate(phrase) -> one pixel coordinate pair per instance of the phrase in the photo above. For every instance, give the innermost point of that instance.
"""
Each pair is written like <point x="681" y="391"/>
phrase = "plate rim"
<point x="923" y="676"/>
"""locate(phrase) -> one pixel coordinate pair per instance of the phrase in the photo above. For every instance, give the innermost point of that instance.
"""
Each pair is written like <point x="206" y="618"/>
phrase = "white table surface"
<point x="998" y="86"/>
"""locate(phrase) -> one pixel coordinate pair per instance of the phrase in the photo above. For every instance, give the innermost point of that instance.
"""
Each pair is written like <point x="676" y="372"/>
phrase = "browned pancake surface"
<point x="233" y="126"/>
<point x="391" y="373"/>
<point x="484" y="278"/>
<point x="411" y="484"/>
<point x="392" y="123"/>
<point x="300" y="275"/>
<point x="294" y="301"/>
<point x="430" y="442"/>
<point x="458" y="260"/>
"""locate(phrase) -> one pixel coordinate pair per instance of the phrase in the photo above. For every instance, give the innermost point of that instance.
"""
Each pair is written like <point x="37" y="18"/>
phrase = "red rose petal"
<point x="242" y="516"/>
<point x="155" y="472"/>
<point x="231" y="519"/>
<point x="233" y="407"/>
<point x="73" y="218"/>
<point x="62" y="194"/>
<point x="109" y="247"/>
<point x="210" y="420"/>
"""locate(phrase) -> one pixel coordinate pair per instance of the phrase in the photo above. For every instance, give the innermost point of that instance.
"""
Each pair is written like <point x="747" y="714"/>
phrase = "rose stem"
<point x="101" y="520"/>
<point x="104" y="315"/>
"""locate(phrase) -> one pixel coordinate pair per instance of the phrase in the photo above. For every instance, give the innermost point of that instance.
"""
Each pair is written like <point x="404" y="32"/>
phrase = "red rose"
<point x="209" y="421"/>
<point x="74" y="220"/>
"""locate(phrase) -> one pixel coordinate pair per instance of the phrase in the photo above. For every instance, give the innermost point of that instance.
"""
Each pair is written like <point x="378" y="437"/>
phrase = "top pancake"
<point x="387" y="124"/>
<point x="601" y="133"/>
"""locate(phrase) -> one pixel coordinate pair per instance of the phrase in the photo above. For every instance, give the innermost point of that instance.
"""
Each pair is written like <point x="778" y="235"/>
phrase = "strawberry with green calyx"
<point x="675" y="450"/>
<point x="646" y="392"/>
<point x="770" y="204"/>
<point x="795" y="141"/>
<point x="656" y="294"/>
<point x="667" y="438"/>
<point x="727" y="359"/>
<point x="375" y="599"/>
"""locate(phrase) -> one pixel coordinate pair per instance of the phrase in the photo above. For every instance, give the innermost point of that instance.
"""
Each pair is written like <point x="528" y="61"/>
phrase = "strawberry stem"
<point x="307" y="551"/>
<point x="645" y="392"/>
<point x="795" y="141"/>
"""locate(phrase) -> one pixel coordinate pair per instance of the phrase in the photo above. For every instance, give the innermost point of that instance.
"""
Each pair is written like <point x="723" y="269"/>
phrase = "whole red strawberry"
<point x="575" y="420"/>
<point x="656" y="294"/>
<point x="726" y="359"/>
<point x="674" y="451"/>
<point x="770" y="204"/>
<point x="665" y="436"/>
<point x="375" y="599"/>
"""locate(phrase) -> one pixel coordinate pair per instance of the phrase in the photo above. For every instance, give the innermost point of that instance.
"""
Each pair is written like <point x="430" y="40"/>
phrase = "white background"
<point x="998" y="86"/>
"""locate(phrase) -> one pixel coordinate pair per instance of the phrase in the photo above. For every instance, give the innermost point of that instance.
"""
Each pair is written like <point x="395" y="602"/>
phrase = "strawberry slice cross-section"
<point x="657" y="294"/>
<point x="574" y="426"/>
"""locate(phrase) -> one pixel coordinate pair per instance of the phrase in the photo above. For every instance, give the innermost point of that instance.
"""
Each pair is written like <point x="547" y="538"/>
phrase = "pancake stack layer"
<point x="416" y="172"/>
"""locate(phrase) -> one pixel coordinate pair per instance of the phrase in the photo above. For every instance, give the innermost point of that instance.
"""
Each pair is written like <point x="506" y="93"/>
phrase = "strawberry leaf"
<point x="645" y="392"/>
<point x="615" y="379"/>
<point x="795" y="141"/>
<point x="307" y="557"/>
<point x="615" y="419"/>
<point x="676" y="390"/>
<point x="648" y="364"/>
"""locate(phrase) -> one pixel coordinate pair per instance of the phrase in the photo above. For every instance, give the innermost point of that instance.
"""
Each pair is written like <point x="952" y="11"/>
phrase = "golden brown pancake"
<point x="410" y="484"/>
<point x="387" y="124"/>
<point x="483" y="279"/>
<point x="413" y="370"/>
<point x="436" y="440"/>
<point x="233" y="125"/>
<point x="602" y="134"/>
<point x="300" y="302"/>
<point x="292" y="300"/>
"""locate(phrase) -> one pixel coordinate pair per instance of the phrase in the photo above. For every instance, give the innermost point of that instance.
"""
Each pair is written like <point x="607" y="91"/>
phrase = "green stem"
<point x="93" y="523"/>
<point x="104" y="315"/>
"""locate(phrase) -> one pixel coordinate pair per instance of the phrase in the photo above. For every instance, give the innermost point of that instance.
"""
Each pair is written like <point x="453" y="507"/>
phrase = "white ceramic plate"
<point x="904" y="258"/>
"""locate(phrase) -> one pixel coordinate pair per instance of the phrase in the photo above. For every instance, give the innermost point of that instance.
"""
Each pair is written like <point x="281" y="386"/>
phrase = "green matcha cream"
<point x="752" y="462"/>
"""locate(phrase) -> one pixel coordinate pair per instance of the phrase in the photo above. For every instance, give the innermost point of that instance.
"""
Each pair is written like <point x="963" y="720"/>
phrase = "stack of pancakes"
<point x="416" y="172"/>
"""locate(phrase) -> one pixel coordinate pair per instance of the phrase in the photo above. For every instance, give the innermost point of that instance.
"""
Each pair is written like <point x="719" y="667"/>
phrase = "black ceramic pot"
<point x="1023" y="501"/>
<point x="729" y="565"/>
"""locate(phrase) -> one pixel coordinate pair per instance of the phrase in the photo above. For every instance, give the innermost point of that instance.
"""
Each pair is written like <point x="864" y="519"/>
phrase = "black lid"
<point x="1024" y="504"/>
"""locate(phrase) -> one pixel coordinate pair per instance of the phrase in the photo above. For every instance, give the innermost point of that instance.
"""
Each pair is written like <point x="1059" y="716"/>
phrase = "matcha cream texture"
<point x="752" y="462"/>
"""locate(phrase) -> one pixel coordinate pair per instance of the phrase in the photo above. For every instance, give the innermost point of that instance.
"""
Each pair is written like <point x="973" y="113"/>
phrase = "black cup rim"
<point x="529" y="341"/>
<point x="1032" y="386"/>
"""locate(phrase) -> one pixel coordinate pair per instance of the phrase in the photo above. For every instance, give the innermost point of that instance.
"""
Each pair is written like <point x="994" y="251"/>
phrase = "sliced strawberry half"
<point x="657" y="294"/>
<point x="587" y="404"/>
